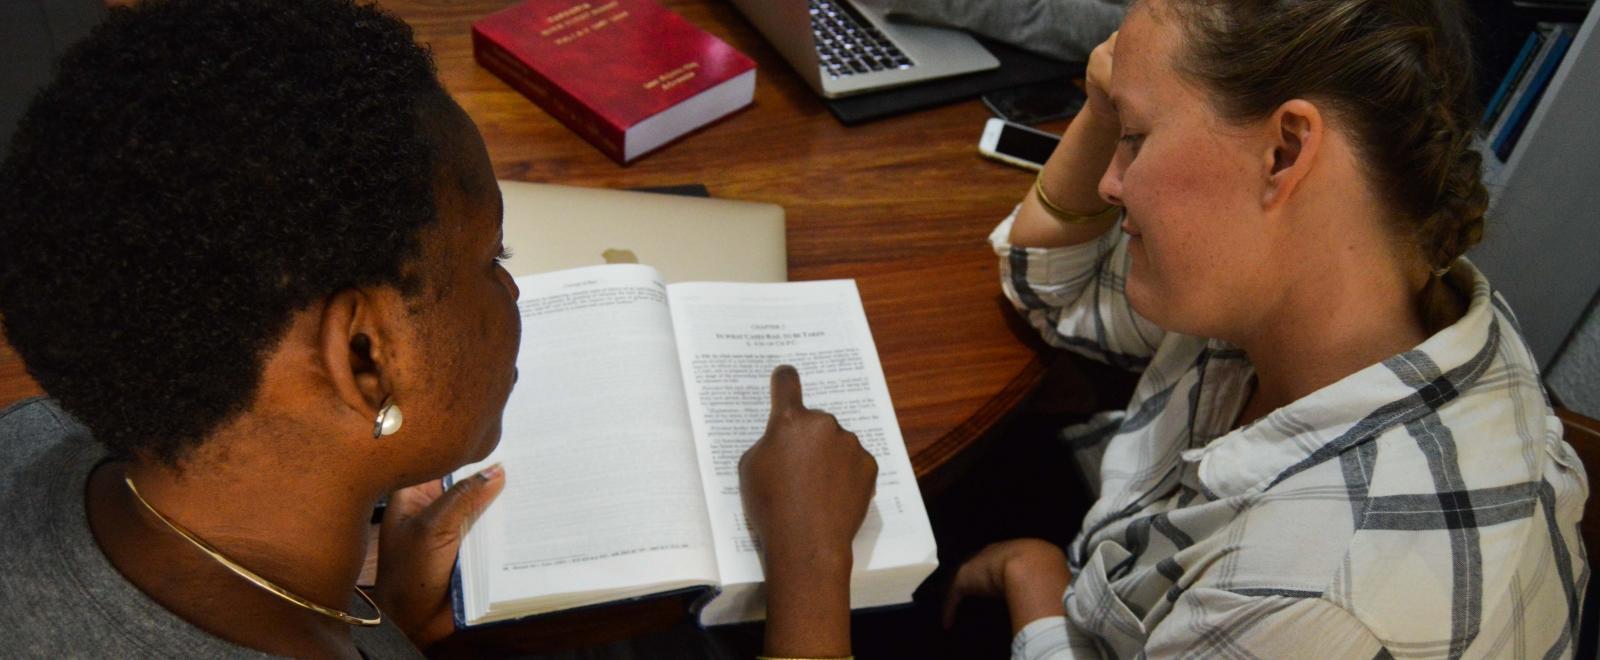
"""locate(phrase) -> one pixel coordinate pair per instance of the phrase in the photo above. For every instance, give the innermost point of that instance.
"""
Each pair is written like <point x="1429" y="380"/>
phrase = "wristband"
<point x="1067" y="217"/>
<point x="774" y="657"/>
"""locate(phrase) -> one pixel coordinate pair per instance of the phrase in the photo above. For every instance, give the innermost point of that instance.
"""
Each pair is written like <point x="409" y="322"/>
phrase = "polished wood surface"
<point x="14" y="381"/>
<point x="903" y="205"/>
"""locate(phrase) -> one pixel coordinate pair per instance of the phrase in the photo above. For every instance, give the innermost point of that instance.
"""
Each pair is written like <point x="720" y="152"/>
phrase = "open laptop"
<point x="550" y="227"/>
<point x="844" y="47"/>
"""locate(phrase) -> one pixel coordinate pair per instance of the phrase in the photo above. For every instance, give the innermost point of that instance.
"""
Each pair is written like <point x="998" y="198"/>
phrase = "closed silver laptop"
<point x="844" y="47"/>
<point x="550" y="227"/>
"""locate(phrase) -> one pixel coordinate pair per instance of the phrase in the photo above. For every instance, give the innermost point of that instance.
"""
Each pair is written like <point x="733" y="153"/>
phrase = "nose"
<point x="1111" y="182"/>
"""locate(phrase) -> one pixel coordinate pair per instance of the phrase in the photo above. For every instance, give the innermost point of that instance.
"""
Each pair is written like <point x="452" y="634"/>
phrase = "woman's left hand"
<point x="1030" y="574"/>
<point x="422" y="529"/>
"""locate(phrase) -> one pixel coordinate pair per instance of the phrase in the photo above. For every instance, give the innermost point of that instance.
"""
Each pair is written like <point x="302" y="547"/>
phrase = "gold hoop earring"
<point x="389" y="419"/>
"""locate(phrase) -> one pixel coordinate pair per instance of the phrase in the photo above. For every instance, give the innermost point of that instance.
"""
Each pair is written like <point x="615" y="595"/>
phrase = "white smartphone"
<point x="1016" y="144"/>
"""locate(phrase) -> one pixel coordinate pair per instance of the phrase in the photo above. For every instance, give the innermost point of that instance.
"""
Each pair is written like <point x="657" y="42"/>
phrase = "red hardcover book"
<point x="627" y="75"/>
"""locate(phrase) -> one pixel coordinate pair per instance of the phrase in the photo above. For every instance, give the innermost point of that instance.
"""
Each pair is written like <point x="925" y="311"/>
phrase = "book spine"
<point x="1507" y="139"/>
<point x="558" y="102"/>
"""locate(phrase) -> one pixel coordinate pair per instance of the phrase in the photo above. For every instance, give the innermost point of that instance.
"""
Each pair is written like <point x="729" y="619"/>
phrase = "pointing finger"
<point x="786" y="389"/>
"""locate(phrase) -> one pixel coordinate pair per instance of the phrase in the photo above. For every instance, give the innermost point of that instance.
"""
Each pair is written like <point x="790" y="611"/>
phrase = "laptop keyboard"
<point x="848" y="44"/>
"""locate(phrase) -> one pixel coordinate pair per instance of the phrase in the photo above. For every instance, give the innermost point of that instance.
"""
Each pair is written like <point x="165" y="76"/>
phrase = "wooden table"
<point x="903" y="205"/>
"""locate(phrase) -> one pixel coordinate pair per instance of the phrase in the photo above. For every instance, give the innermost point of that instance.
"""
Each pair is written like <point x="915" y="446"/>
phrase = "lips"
<point x="1128" y="227"/>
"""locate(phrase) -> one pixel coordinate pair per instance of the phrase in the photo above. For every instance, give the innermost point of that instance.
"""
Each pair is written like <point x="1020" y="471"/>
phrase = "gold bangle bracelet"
<point x="774" y="657"/>
<point x="1064" y="216"/>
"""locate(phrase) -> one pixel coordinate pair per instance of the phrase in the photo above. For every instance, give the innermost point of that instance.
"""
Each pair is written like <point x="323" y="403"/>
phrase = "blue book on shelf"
<point x="1519" y="67"/>
<point x="1519" y="89"/>
<point x="1506" y="139"/>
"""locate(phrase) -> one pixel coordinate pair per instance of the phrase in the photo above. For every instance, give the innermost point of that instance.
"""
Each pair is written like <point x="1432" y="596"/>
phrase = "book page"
<point x="602" y="483"/>
<point x="730" y="337"/>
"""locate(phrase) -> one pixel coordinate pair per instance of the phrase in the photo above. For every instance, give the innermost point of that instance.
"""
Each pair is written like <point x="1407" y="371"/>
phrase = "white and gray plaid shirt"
<point x="1425" y="506"/>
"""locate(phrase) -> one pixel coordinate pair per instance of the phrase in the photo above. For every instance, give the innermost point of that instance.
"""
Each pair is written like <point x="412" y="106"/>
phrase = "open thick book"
<point x="621" y="443"/>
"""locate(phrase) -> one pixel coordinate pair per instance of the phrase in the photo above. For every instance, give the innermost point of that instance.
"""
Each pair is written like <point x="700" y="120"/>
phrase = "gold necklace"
<point x="254" y="579"/>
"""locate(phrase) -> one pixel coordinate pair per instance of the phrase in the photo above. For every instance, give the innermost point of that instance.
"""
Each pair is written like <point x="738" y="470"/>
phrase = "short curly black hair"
<point x="197" y="172"/>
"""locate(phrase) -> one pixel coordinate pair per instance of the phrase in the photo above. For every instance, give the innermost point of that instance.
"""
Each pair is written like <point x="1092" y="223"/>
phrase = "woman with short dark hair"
<point x="251" y="249"/>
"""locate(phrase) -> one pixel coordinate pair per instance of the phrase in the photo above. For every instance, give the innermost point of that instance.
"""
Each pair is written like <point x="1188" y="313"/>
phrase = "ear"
<point x="354" y="340"/>
<point x="1294" y="137"/>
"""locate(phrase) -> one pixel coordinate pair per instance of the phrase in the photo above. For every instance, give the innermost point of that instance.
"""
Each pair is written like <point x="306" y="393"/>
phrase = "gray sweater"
<point x="59" y="595"/>
<point x="1063" y="29"/>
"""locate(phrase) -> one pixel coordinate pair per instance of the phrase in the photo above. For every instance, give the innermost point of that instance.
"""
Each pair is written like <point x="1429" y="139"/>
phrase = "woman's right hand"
<point x="807" y="481"/>
<point x="1071" y="178"/>
<point x="806" y="485"/>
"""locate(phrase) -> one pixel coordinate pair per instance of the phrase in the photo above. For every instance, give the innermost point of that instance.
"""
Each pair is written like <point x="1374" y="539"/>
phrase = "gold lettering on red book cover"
<point x="674" y="77"/>
<point x="567" y="13"/>
<point x="581" y="20"/>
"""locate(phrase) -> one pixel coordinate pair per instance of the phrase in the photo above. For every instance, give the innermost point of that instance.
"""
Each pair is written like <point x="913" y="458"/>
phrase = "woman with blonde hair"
<point x="1339" y="445"/>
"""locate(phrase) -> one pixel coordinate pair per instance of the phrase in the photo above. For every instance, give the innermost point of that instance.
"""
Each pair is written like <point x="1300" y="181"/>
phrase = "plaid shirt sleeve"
<point x="1213" y="623"/>
<point x="1210" y="623"/>
<point x="1074" y="296"/>
<point x="1047" y="639"/>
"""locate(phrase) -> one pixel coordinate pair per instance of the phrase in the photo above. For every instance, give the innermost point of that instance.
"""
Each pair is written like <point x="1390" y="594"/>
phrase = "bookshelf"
<point x="1542" y="236"/>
